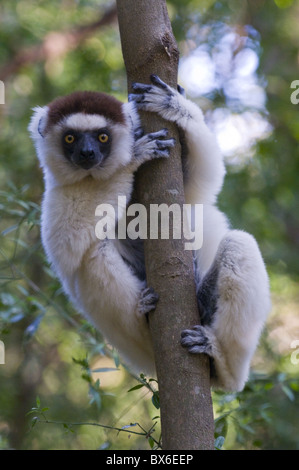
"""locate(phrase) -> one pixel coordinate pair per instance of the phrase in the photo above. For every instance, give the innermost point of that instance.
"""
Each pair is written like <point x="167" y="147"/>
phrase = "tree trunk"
<point x="186" y="408"/>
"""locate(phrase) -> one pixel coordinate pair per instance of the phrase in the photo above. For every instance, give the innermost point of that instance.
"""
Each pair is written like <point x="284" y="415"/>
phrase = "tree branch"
<point x="186" y="409"/>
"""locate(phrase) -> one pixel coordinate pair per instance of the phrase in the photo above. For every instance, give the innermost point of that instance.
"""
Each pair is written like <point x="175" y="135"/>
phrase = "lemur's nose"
<point x="87" y="154"/>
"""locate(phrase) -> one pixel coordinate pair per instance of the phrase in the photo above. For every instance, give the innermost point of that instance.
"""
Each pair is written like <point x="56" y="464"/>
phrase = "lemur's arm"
<point x="205" y="168"/>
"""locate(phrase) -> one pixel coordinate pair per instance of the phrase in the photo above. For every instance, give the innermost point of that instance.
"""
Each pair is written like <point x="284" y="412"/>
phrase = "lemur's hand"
<point x="152" y="145"/>
<point x="155" y="97"/>
<point x="160" y="98"/>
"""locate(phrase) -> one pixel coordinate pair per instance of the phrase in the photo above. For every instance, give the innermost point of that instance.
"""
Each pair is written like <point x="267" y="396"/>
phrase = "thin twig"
<point x="105" y="426"/>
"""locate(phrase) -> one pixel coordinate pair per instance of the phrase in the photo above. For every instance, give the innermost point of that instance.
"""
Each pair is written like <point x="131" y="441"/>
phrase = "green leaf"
<point x="87" y="377"/>
<point x="68" y="428"/>
<point x="156" y="400"/>
<point x="136" y="387"/>
<point x="151" y="442"/>
<point x="116" y="358"/>
<point x="81" y="362"/>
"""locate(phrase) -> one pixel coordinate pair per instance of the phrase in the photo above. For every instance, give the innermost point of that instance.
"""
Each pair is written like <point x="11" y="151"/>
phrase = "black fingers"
<point x="158" y="82"/>
<point x="157" y="136"/>
<point x="162" y="146"/>
<point x="144" y="88"/>
<point x="137" y="98"/>
<point x="154" y="145"/>
<point x="141" y="87"/>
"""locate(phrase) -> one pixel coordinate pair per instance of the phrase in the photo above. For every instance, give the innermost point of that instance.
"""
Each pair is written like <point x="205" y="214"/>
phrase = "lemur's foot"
<point x="196" y="340"/>
<point x="148" y="301"/>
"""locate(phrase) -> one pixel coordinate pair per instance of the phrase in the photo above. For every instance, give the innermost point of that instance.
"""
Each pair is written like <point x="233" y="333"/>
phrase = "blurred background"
<point x="238" y="61"/>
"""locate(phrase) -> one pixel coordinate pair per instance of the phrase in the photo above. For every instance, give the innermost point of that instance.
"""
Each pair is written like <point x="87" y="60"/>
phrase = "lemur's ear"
<point x="38" y="121"/>
<point x="42" y="126"/>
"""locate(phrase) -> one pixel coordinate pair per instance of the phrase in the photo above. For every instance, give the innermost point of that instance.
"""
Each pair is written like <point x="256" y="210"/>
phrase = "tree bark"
<point x="149" y="47"/>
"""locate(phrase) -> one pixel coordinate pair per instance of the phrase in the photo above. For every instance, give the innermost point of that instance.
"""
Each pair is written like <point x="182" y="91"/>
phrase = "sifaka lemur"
<point x="89" y="145"/>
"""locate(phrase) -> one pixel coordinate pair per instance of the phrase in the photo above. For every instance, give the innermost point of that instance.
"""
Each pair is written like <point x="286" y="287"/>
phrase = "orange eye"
<point x="103" y="138"/>
<point x="69" y="139"/>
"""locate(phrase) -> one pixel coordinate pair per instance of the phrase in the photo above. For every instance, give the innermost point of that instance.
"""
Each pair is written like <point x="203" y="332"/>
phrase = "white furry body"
<point x="94" y="274"/>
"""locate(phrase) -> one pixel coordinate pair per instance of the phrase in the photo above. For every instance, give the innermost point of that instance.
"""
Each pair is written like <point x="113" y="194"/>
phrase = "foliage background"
<point x="50" y="351"/>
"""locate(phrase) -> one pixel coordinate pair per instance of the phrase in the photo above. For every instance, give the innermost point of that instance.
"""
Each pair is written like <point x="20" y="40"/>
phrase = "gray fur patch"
<point x="207" y="295"/>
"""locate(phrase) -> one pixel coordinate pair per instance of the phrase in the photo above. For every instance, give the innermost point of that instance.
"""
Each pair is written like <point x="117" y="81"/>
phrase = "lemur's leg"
<point x="235" y="297"/>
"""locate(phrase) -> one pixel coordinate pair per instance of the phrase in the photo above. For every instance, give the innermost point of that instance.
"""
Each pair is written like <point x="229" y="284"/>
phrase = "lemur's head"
<point x="81" y="134"/>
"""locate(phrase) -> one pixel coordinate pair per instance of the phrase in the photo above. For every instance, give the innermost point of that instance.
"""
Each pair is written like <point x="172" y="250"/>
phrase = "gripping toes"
<point x="161" y="148"/>
<point x="196" y="341"/>
<point x="153" y="145"/>
<point x="148" y="301"/>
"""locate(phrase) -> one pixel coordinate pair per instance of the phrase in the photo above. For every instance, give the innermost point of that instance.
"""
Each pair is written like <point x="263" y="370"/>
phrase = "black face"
<point x="86" y="149"/>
